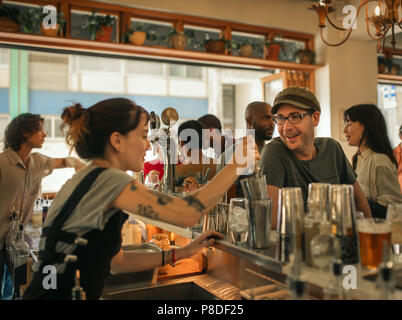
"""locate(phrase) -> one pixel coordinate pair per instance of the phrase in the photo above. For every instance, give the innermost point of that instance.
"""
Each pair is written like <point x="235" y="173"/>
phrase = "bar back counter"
<point x="232" y="272"/>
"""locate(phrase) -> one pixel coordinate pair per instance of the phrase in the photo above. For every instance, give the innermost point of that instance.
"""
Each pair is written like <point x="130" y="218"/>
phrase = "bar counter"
<point x="252" y="270"/>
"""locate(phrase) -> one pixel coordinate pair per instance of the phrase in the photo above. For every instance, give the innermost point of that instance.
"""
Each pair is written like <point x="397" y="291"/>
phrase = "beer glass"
<point x="238" y="221"/>
<point x="290" y="225"/>
<point x="394" y="214"/>
<point x="372" y="234"/>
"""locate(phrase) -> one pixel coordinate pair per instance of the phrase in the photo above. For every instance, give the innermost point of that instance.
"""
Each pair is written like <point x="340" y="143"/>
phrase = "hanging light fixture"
<point x="384" y="18"/>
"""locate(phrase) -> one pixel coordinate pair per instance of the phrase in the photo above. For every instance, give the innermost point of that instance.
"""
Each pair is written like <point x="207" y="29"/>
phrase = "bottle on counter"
<point x="37" y="215"/>
<point x="45" y="208"/>
<point x="21" y="249"/>
<point x="11" y="235"/>
<point x="77" y="292"/>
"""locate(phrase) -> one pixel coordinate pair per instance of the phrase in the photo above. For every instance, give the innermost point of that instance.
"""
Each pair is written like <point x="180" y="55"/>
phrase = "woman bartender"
<point x="86" y="217"/>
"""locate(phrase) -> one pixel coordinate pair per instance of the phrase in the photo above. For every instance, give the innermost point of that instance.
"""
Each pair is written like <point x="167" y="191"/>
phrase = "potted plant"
<point x="9" y="19"/>
<point x="177" y="39"/>
<point x="216" y="45"/>
<point x="245" y="47"/>
<point x="33" y="18"/>
<point x="135" y="34"/>
<point x="100" y="27"/>
<point x="272" y="47"/>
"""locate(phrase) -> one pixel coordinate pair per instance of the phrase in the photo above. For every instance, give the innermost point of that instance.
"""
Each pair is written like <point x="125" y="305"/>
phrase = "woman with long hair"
<point x="82" y="230"/>
<point x="374" y="160"/>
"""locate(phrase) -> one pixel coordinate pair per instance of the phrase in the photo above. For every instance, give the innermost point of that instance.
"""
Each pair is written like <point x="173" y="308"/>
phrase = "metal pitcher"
<point x="260" y="223"/>
<point x="342" y="206"/>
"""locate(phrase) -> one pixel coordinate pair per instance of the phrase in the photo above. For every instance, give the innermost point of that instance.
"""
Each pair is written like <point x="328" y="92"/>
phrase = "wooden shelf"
<point x="389" y="78"/>
<point x="127" y="50"/>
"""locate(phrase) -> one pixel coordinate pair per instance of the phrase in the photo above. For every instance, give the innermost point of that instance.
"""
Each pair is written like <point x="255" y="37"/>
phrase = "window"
<point x="4" y="57"/>
<point x="53" y="127"/>
<point x="48" y="71"/>
<point x="4" y="121"/>
<point x="145" y="68"/>
<point x="184" y="71"/>
<point x="228" y="106"/>
<point x="98" y="64"/>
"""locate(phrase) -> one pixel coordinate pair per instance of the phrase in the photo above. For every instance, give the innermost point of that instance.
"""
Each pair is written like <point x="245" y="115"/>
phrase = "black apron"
<point x="93" y="259"/>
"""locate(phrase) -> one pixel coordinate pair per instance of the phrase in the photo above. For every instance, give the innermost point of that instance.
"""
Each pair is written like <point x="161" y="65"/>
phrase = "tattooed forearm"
<point x="147" y="211"/>
<point x="194" y="202"/>
<point x="162" y="198"/>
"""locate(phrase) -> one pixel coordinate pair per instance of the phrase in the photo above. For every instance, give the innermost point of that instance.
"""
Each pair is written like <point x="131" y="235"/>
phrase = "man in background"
<point x="21" y="173"/>
<point x="296" y="158"/>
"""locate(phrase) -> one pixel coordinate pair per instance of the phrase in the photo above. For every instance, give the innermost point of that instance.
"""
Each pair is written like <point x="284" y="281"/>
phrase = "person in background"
<point x="296" y="158"/>
<point x="191" y="150"/>
<point x="259" y="118"/>
<point x="374" y="160"/>
<point x="113" y="135"/>
<point x="398" y="157"/>
<point x="211" y="123"/>
<point x="21" y="171"/>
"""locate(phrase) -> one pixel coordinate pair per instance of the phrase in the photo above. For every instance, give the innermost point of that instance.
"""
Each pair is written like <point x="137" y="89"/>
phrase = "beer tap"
<point x="162" y="137"/>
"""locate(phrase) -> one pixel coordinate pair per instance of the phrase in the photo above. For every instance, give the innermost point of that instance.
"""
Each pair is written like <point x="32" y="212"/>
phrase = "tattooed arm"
<point x="136" y="198"/>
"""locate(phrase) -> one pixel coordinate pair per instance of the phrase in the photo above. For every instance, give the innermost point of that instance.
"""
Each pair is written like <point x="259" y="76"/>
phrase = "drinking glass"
<point x="372" y="234"/>
<point x="394" y="214"/>
<point x="152" y="181"/>
<point x="238" y="221"/>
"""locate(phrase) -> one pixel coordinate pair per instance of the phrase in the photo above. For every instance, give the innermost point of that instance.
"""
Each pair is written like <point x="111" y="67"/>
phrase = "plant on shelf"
<point x="216" y="45"/>
<point x="137" y="34"/>
<point x="272" y="47"/>
<point x="100" y="27"/>
<point x="177" y="39"/>
<point x="9" y="19"/>
<point x="34" y="18"/>
<point x="245" y="47"/>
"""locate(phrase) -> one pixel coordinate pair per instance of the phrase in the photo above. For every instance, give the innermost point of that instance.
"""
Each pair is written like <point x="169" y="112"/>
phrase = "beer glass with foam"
<point x="373" y="233"/>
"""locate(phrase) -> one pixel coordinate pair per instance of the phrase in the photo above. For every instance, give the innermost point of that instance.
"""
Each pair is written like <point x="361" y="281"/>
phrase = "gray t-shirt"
<point x="91" y="212"/>
<point x="283" y="169"/>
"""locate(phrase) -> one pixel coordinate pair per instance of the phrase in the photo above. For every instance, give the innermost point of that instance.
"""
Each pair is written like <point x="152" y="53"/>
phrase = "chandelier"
<point x="384" y="19"/>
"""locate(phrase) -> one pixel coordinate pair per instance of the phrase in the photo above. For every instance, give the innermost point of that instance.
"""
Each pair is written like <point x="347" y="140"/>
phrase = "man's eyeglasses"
<point x="293" y="118"/>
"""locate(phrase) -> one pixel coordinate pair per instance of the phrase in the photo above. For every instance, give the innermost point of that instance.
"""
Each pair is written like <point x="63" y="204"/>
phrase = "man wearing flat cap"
<point x="297" y="158"/>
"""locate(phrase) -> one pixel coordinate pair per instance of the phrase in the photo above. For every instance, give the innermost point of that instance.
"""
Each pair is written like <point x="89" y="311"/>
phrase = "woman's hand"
<point x="204" y="240"/>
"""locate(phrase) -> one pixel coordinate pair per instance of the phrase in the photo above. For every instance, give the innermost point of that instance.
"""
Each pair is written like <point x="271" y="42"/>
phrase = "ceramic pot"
<point x="215" y="46"/>
<point x="50" y="32"/>
<point x="137" y="38"/>
<point x="246" y="50"/>
<point x="178" y="41"/>
<point x="105" y="34"/>
<point x="273" y="51"/>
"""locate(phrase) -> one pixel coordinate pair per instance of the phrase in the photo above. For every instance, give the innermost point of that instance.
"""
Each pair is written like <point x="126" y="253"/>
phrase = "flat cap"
<point x="298" y="97"/>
